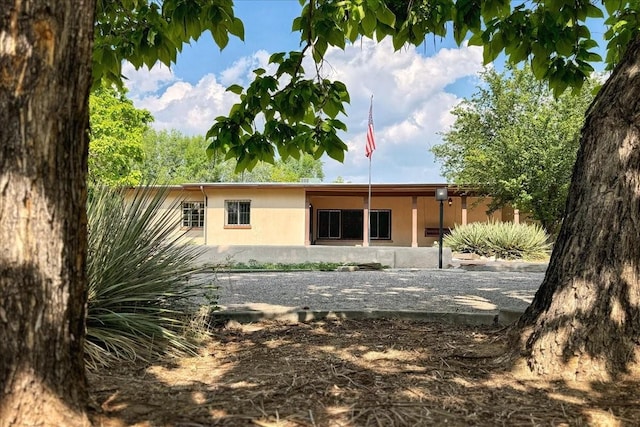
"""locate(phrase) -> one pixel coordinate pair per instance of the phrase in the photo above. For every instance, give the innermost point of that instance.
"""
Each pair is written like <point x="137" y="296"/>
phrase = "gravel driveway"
<point x="452" y="290"/>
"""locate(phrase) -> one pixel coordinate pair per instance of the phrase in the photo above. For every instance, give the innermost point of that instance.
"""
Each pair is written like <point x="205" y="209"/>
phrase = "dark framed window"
<point x="380" y="224"/>
<point x="193" y="214"/>
<point x="238" y="212"/>
<point x="347" y="224"/>
<point x="329" y="224"/>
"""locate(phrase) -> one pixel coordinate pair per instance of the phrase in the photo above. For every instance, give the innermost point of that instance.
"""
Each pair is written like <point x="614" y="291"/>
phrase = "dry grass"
<point x="351" y="373"/>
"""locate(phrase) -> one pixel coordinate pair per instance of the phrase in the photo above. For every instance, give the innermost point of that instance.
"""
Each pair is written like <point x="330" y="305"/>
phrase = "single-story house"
<point x="335" y="214"/>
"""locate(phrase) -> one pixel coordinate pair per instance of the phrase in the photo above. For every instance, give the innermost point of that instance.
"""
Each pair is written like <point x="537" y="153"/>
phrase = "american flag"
<point x="371" y="142"/>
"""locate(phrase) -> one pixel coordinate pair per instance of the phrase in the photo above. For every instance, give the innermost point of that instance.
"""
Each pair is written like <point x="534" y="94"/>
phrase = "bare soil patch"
<point x="351" y="373"/>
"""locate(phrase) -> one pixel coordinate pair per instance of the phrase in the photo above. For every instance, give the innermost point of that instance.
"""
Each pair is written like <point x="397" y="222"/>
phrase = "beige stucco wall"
<point x="429" y="215"/>
<point x="277" y="217"/>
<point x="171" y="210"/>
<point x="172" y="207"/>
<point x="477" y="210"/>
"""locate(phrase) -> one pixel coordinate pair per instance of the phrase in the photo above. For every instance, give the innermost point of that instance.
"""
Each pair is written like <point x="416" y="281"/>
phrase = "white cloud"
<point x="411" y="107"/>
<point x="189" y="108"/>
<point x="146" y="80"/>
<point x="242" y="70"/>
<point x="411" y="103"/>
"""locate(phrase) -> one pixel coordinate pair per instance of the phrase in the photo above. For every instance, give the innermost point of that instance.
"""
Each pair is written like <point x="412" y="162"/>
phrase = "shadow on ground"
<point x="351" y="373"/>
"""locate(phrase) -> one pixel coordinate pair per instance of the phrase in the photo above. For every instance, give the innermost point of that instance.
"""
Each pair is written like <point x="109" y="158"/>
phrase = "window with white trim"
<point x="238" y="212"/>
<point x="193" y="214"/>
<point x="380" y="224"/>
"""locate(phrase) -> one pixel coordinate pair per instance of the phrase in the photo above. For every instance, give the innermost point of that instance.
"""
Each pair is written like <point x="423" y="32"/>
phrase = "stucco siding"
<point x="277" y="217"/>
<point x="477" y="208"/>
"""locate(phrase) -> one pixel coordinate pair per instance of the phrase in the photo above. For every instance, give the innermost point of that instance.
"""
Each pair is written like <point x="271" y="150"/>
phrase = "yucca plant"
<point x="503" y="240"/>
<point x="518" y="241"/>
<point x="470" y="238"/>
<point x="143" y="279"/>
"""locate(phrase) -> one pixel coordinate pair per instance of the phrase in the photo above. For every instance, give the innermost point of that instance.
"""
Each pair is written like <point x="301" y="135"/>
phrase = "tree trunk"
<point x="45" y="76"/>
<point x="584" y="321"/>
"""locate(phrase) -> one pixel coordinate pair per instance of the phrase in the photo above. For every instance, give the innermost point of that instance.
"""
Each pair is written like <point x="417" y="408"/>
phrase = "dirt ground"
<point x="351" y="373"/>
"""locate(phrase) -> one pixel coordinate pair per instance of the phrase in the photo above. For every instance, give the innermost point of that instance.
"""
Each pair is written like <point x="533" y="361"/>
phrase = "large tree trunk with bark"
<point x="45" y="76"/>
<point x="584" y="322"/>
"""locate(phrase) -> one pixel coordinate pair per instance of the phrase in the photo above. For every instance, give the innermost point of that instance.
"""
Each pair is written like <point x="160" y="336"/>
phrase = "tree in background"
<point x="517" y="142"/>
<point x="171" y="157"/>
<point x="174" y="158"/>
<point x="115" y="147"/>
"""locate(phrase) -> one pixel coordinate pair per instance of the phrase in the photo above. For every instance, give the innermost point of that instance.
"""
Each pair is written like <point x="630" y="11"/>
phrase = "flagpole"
<point x="369" y="205"/>
<point x="369" y="201"/>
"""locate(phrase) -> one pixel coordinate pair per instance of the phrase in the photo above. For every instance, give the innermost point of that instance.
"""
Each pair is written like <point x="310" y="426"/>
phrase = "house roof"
<point x="341" y="189"/>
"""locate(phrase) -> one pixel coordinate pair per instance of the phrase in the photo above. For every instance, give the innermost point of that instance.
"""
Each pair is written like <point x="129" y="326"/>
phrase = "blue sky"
<point x="414" y="91"/>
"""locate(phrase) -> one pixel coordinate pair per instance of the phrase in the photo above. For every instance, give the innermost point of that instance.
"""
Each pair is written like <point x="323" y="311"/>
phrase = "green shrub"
<point x="279" y="266"/>
<point x="504" y="240"/>
<point x="142" y="278"/>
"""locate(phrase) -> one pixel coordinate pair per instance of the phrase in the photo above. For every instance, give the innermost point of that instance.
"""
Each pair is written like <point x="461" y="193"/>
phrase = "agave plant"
<point x="500" y="239"/>
<point x="143" y="278"/>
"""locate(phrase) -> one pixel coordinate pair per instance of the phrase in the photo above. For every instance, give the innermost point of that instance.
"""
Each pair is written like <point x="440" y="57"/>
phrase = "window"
<point x="193" y="214"/>
<point x="380" y="225"/>
<point x="347" y="224"/>
<point x="328" y="224"/>
<point x="238" y="212"/>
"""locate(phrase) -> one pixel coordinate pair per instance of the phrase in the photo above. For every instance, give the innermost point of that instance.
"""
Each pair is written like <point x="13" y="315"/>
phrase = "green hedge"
<point x="504" y="240"/>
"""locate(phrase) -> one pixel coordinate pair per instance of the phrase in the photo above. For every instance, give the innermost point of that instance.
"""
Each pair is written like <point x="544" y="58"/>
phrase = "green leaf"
<point x="237" y="89"/>
<point x="594" y="12"/>
<point x="335" y="153"/>
<point x="319" y="49"/>
<point x="336" y="38"/>
<point x="337" y="124"/>
<point x="369" y="24"/>
<point x="612" y="5"/>
<point x="540" y="66"/>
<point x="564" y="46"/>
<point x="401" y="38"/>
<point x="476" y="40"/>
<point x="297" y="24"/>
<point x="220" y="36"/>
<point x="237" y="28"/>
<point x="352" y="32"/>
<point x="276" y="58"/>
<point x="385" y="16"/>
<point x="460" y="31"/>
<point x="331" y="108"/>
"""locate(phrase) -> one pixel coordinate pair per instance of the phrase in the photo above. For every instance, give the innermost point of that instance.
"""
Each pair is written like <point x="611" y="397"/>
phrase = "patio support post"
<point x="464" y="209"/>
<point x="307" y="221"/>
<point x="414" y="221"/>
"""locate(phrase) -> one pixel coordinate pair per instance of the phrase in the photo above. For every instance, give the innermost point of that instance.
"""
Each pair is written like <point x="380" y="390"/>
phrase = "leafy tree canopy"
<point x="301" y="113"/>
<point x="518" y="142"/>
<point x="174" y="158"/>
<point x="145" y="32"/>
<point x="115" y="147"/>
